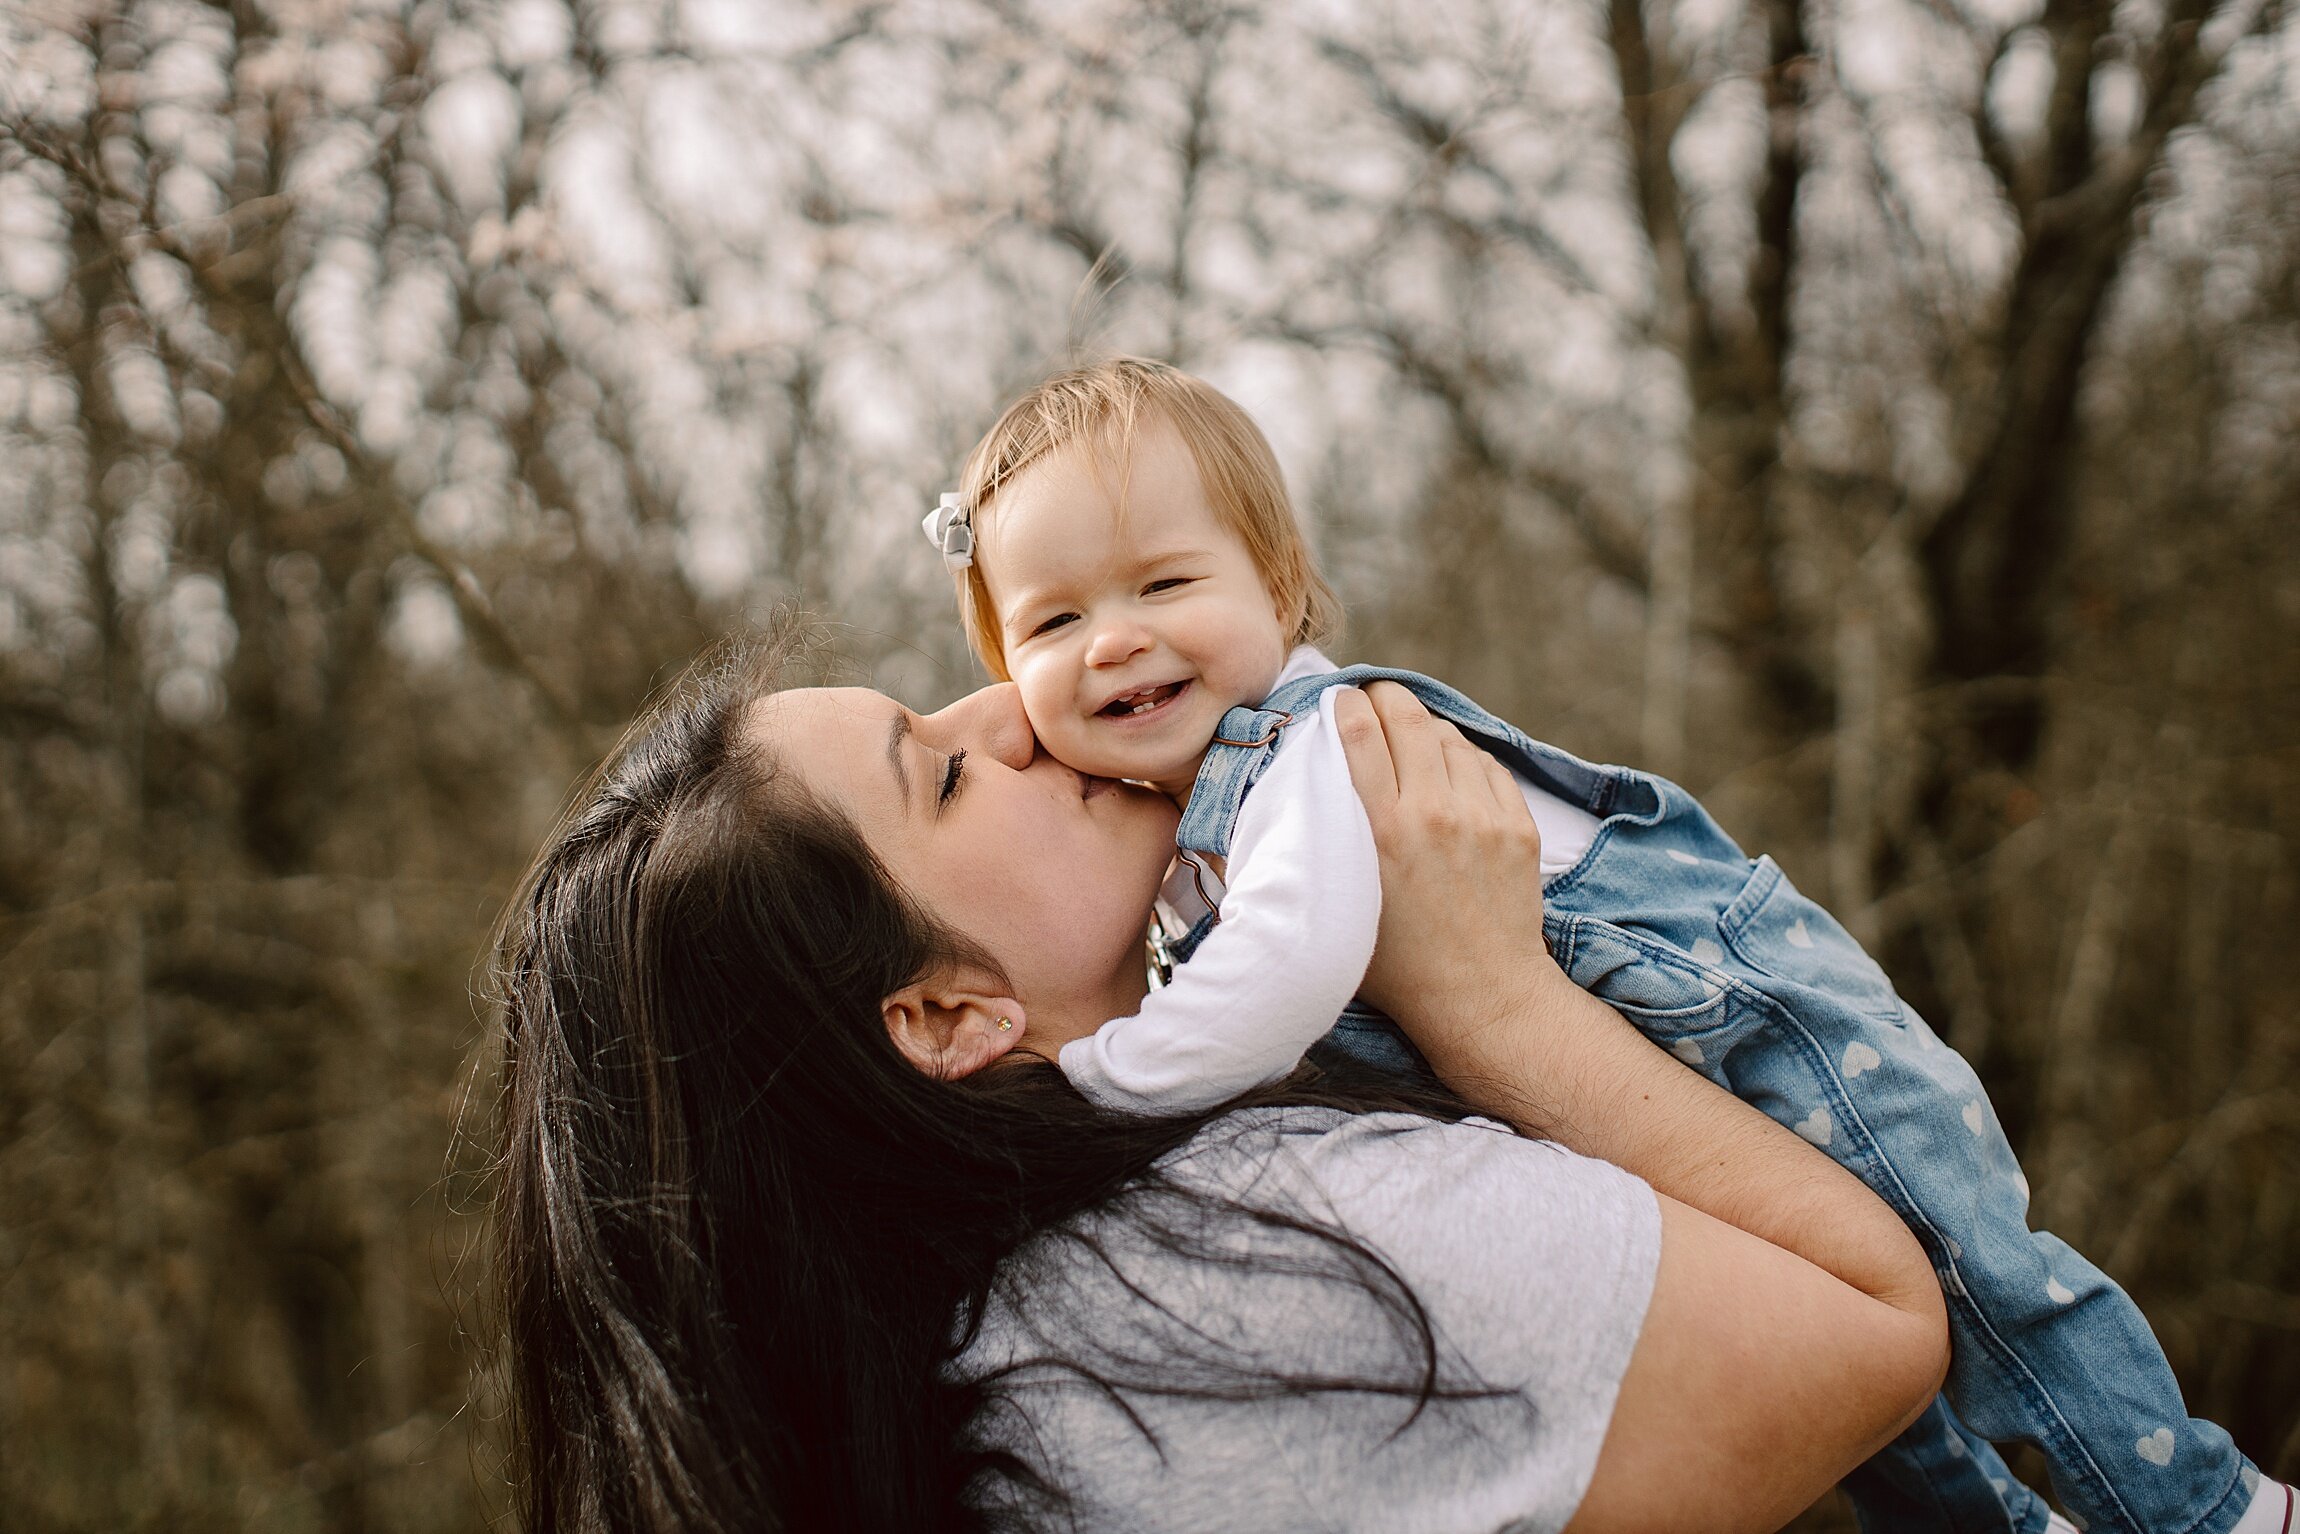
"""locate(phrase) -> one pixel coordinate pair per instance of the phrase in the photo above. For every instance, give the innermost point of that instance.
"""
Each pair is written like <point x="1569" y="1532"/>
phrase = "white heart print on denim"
<point x="1780" y="932"/>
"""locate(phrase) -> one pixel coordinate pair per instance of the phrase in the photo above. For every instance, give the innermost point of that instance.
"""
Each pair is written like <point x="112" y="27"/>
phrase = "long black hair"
<point x="738" y="1236"/>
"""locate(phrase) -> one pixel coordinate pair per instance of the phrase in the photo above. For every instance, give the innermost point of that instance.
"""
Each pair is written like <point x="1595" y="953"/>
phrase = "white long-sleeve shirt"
<point x="1299" y="909"/>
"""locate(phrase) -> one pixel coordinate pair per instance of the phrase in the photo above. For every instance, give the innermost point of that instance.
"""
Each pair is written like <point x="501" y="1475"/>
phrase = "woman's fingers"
<point x="1415" y="752"/>
<point x="1482" y="786"/>
<point x="1464" y="762"/>
<point x="1480" y="780"/>
<point x="1460" y="864"/>
<point x="1431" y="766"/>
<point x="1366" y="745"/>
<point x="1508" y="801"/>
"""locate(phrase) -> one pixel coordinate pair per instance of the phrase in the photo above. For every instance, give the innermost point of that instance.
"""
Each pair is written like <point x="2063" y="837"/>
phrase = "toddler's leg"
<point x="2047" y="1349"/>
<point x="2052" y="1351"/>
<point x="1939" y="1477"/>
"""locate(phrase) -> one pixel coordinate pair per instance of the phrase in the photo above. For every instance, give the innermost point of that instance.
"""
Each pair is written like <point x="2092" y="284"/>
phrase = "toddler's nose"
<point x="991" y="720"/>
<point x="1115" y="641"/>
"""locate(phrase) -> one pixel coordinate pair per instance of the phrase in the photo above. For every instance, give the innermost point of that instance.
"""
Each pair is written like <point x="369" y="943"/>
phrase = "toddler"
<point x="1126" y="553"/>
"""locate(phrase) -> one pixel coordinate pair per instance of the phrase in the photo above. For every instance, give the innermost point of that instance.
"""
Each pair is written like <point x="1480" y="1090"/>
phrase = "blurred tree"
<point x="1880" y="416"/>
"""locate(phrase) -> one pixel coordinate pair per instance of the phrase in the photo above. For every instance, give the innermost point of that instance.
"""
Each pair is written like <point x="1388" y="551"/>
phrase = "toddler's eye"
<point x="951" y="771"/>
<point x="1053" y="623"/>
<point x="1167" y="584"/>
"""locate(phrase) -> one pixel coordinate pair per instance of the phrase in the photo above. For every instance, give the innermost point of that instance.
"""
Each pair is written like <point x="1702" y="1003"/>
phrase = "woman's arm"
<point x="1795" y="1326"/>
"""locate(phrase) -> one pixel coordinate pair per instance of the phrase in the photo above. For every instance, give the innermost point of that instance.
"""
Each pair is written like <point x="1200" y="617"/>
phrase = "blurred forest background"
<point x="1883" y="415"/>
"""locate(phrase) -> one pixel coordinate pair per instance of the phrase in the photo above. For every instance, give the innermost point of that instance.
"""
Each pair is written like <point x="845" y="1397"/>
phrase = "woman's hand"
<point x="1831" y="1335"/>
<point x="1460" y="940"/>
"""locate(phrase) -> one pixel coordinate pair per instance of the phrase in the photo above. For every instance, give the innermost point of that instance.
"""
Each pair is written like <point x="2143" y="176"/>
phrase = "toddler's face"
<point x="1130" y="638"/>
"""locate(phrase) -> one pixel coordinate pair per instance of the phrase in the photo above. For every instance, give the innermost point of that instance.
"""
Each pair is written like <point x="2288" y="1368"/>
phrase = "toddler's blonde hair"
<point x="1103" y="403"/>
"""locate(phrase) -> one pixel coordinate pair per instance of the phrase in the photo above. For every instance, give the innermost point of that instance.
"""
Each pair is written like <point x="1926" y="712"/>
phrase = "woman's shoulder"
<point x="1531" y="1266"/>
<point x="1486" y="1227"/>
<point x="1277" y="1149"/>
<point x="1433" y="1189"/>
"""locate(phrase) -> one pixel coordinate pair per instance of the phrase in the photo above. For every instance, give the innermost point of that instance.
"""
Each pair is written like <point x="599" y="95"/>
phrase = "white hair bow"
<point x="950" y="528"/>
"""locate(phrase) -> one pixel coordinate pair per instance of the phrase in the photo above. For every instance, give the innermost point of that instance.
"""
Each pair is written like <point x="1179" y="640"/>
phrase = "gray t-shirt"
<point x="1533" y="1265"/>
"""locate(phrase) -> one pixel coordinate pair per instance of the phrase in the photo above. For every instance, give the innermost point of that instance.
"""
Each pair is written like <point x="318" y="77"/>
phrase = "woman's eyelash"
<point x="950" y="774"/>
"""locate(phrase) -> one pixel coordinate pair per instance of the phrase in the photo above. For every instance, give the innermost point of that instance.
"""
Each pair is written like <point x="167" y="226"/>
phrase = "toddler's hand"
<point x="1460" y="941"/>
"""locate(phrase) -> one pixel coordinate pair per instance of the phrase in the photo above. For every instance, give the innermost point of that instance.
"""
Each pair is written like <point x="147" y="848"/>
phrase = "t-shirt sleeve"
<point x="1299" y="912"/>
<point x="1533" y="1265"/>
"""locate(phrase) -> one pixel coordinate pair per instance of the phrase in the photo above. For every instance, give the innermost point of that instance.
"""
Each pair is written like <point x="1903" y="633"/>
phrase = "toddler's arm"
<point x="1299" y="910"/>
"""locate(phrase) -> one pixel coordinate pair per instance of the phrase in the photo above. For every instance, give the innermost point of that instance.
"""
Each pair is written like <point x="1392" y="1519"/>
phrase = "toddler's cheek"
<point x="1083" y="749"/>
<point x="1050" y="709"/>
<point x="1067" y="738"/>
<point x="1063" y="739"/>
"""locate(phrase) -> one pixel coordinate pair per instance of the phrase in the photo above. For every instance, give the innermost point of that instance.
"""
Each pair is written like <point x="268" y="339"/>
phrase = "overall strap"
<point x="1245" y="743"/>
<point x="1602" y="791"/>
<point x="1248" y="739"/>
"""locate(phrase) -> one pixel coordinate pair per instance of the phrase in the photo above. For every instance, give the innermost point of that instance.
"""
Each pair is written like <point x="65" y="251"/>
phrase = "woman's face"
<point x="1050" y="871"/>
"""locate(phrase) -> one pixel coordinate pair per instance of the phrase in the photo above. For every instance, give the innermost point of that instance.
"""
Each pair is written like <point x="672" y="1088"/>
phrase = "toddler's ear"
<point x="948" y="1030"/>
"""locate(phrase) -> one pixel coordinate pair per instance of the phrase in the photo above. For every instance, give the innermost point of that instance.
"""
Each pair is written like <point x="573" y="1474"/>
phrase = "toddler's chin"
<point x="1080" y="756"/>
<point x="1135" y="772"/>
<point x="1138" y="767"/>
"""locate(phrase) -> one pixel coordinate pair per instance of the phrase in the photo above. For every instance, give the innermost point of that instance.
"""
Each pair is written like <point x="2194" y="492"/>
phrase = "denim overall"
<point x="1719" y="961"/>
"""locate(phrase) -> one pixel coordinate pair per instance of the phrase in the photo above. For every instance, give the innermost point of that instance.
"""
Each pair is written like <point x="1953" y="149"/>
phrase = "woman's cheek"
<point x="1032" y="900"/>
<point x="1081" y="903"/>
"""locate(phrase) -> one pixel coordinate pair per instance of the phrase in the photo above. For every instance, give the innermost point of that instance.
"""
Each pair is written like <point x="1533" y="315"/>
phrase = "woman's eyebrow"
<point x="897" y="733"/>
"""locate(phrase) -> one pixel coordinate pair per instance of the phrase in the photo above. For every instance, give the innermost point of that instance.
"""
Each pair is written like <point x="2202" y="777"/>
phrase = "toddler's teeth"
<point x="1125" y="707"/>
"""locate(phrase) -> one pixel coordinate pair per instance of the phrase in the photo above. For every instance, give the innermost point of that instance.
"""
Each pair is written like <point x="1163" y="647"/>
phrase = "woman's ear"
<point x="948" y="1029"/>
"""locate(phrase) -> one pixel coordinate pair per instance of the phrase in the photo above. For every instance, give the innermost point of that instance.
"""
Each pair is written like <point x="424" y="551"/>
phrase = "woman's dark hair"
<point x="738" y="1235"/>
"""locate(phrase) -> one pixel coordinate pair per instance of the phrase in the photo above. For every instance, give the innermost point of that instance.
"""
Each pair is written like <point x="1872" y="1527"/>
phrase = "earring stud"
<point x="1005" y="1023"/>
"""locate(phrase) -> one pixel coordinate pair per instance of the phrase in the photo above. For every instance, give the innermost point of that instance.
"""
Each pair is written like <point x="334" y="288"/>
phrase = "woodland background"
<point x="1883" y="415"/>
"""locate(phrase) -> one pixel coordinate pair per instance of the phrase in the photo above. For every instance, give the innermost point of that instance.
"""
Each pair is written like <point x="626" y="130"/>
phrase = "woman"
<point x="800" y="1227"/>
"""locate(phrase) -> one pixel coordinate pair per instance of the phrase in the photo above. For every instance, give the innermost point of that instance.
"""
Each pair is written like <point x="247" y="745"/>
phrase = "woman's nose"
<point x="990" y="720"/>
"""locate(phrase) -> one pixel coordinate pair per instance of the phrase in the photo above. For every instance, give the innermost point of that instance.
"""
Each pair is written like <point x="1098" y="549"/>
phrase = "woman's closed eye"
<point x="953" y="768"/>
